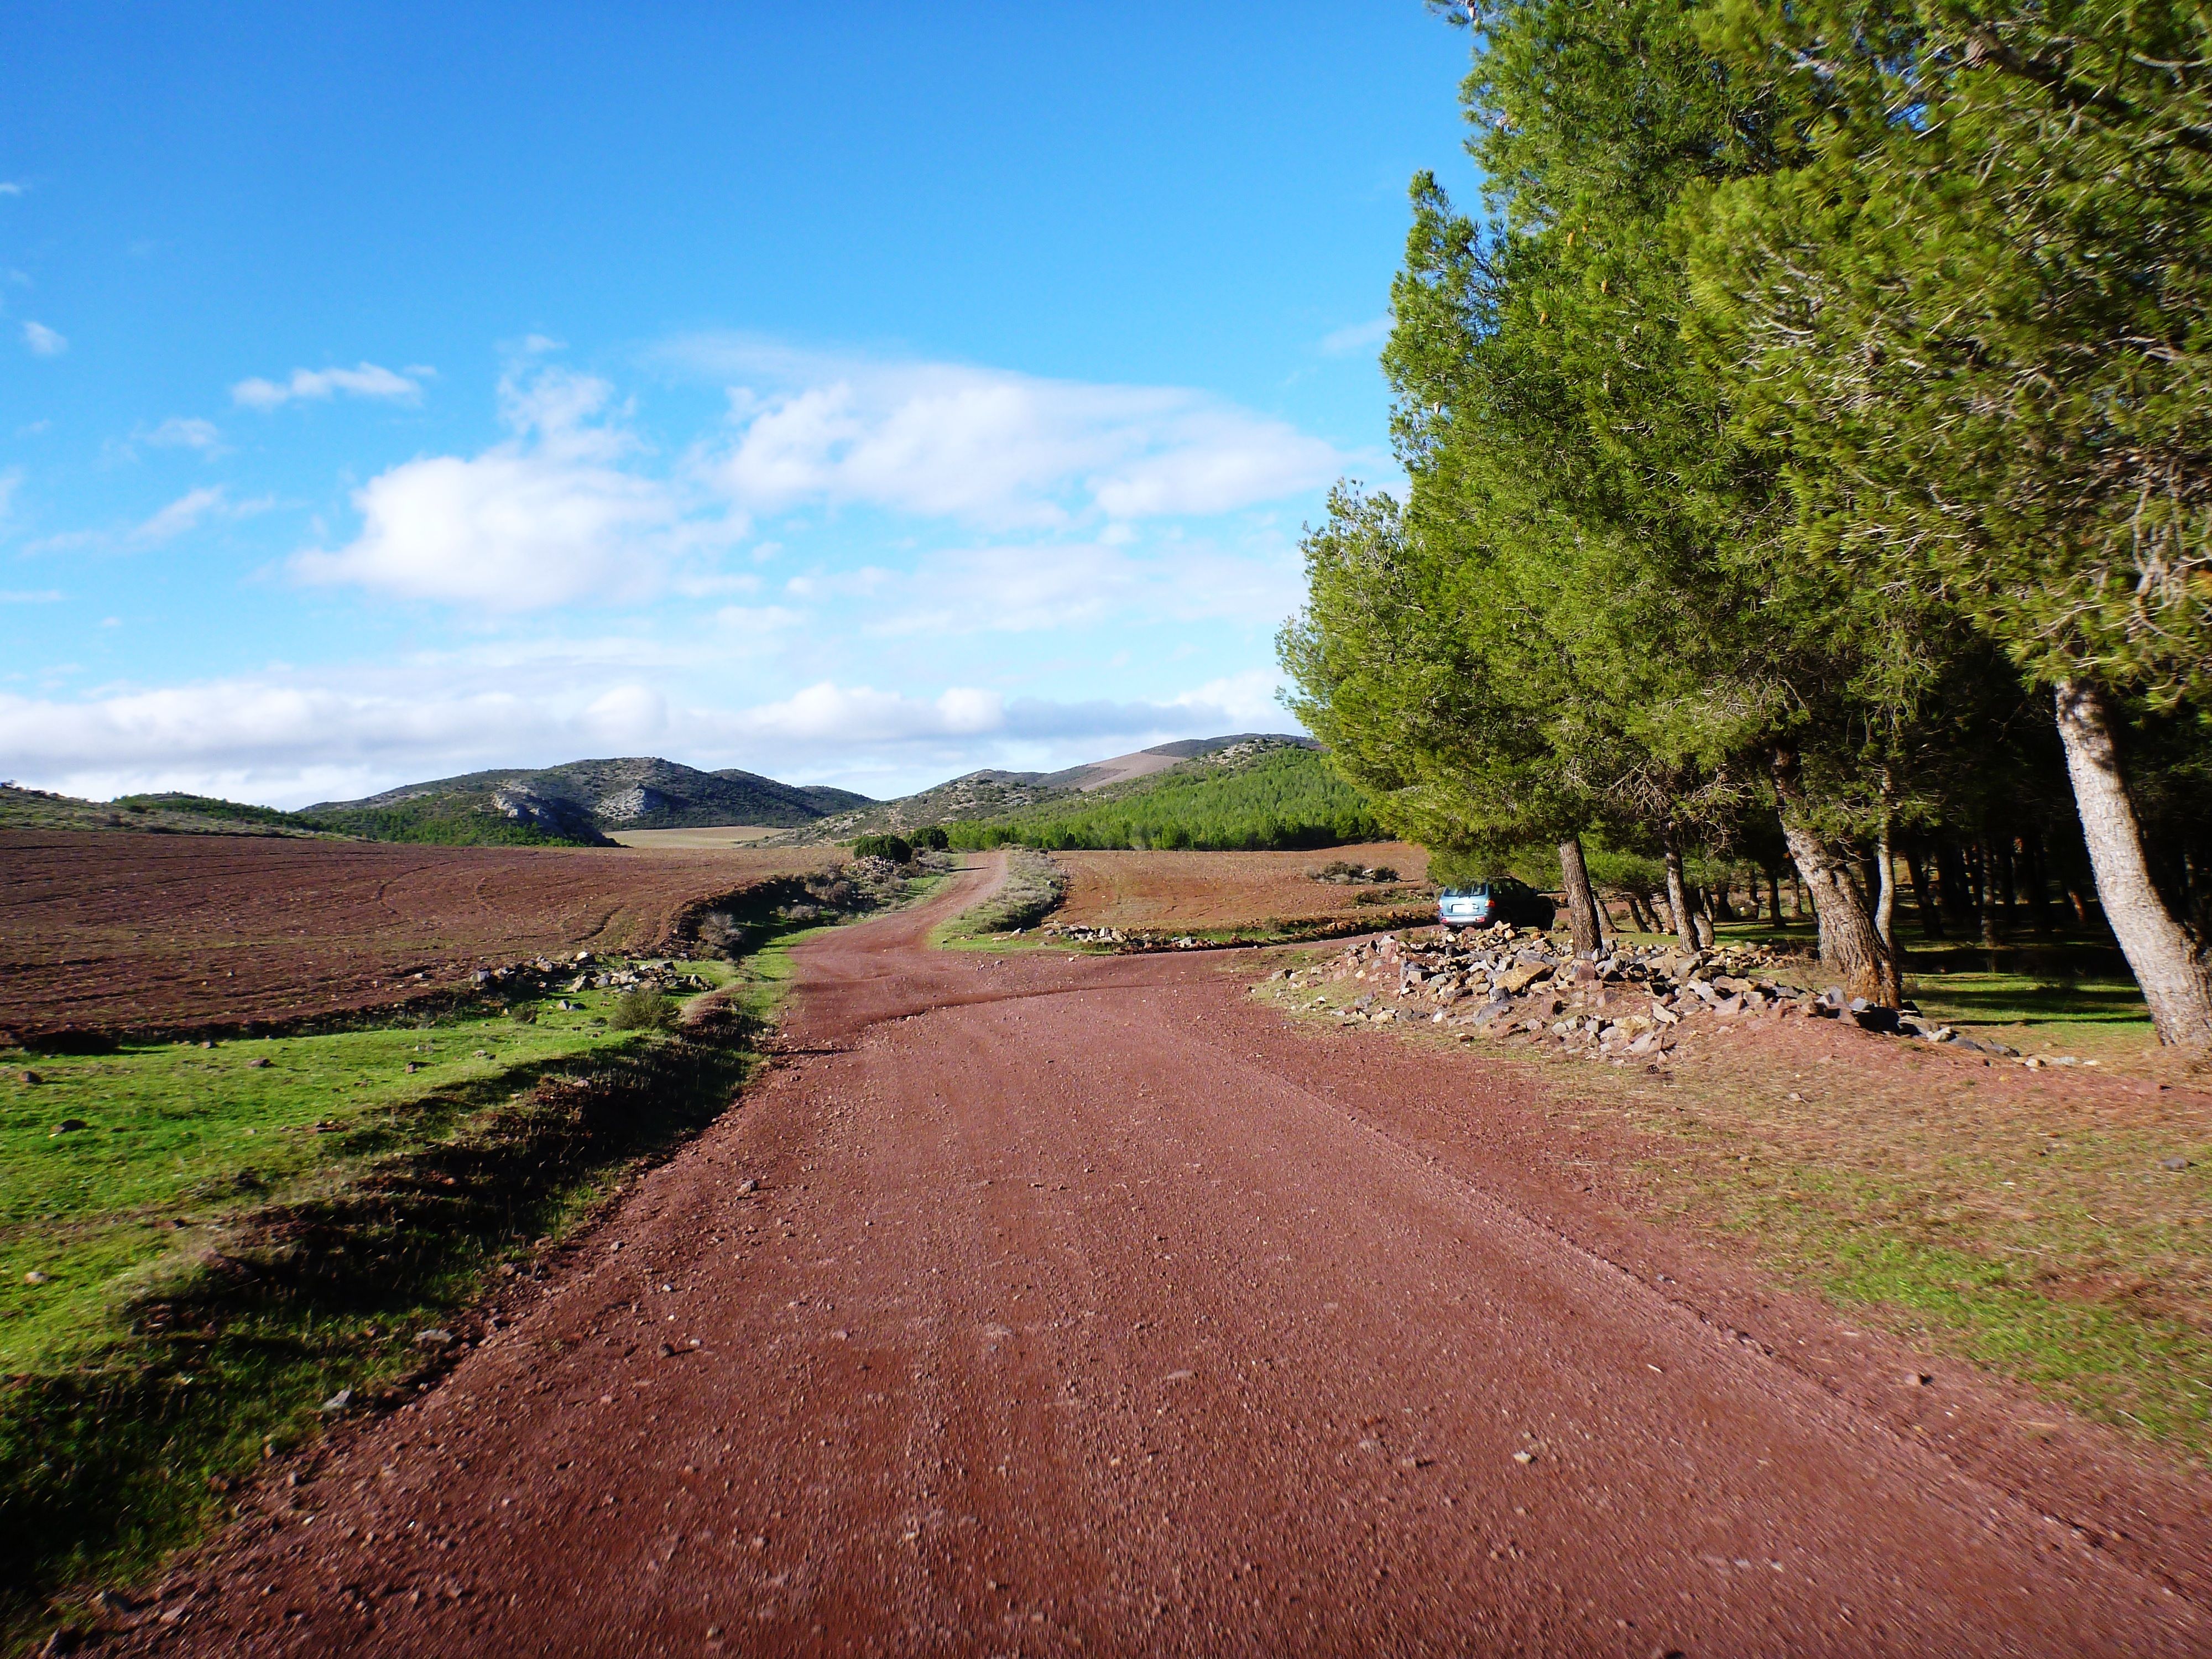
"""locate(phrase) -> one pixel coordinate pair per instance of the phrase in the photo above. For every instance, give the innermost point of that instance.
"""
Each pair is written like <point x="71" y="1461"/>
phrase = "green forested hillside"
<point x="446" y="821"/>
<point x="1283" y="798"/>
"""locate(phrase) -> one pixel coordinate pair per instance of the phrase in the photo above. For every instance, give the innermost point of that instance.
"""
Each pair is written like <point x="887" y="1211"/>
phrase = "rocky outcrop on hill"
<point x="585" y="800"/>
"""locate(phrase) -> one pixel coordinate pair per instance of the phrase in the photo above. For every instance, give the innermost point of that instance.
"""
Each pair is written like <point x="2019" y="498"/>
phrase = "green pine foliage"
<point x="1284" y="799"/>
<point x="210" y="806"/>
<point x="440" y="822"/>
<point x="1806" y="438"/>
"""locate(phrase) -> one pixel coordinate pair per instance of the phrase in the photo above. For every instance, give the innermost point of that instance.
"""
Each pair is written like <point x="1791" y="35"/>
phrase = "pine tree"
<point x="1970" y="304"/>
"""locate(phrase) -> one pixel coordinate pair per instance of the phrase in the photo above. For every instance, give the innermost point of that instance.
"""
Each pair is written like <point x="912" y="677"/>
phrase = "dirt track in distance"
<point x="113" y="931"/>
<point x="1087" y="1306"/>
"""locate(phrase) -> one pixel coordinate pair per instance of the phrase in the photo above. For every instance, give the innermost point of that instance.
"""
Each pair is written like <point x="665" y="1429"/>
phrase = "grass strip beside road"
<point x="2057" y="1233"/>
<point x="224" y="1246"/>
<point x="1032" y="890"/>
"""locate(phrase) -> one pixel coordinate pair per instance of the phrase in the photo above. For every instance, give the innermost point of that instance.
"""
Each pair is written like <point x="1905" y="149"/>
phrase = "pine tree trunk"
<point x="1931" y="924"/>
<point x="1885" y="903"/>
<point x="1678" y="899"/>
<point x="1958" y="892"/>
<point x="1849" y="944"/>
<point x="2039" y="884"/>
<point x="1985" y="898"/>
<point x="2173" y="967"/>
<point x="1582" y="903"/>
<point x="1774" y="897"/>
<point x="2080" y="905"/>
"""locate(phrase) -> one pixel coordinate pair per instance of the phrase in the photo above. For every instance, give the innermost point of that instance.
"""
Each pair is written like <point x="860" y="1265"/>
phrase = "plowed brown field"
<point x="1220" y="890"/>
<point x="119" y="931"/>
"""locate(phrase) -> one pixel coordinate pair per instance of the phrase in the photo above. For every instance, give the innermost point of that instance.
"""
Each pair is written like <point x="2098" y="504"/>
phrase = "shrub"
<point x="643" y="1008"/>
<point x="894" y="848"/>
<point x="934" y="838"/>
<point x="720" y="934"/>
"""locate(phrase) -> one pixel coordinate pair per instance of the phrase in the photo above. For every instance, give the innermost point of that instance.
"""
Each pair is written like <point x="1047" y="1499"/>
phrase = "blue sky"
<point x="857" y="395"/>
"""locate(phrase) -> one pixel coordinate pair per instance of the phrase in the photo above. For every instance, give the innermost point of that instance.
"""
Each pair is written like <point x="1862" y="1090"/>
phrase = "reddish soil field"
<point x="1042" y="1305"/>
<point x="1157" y="890"/>
<point x="120" y="932"/>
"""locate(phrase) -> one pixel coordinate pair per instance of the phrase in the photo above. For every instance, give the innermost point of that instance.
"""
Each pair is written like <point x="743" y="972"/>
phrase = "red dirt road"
<point x="1084" y="1306"/>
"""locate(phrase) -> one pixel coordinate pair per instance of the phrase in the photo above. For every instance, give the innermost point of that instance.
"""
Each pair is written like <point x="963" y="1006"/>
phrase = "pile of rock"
<point x="1631" y="1002"/>
<point x="1342" y="872"/>
<point x="1070" y="933"/>
<point x="654" y="975"/>
<point x="585" y="972"/>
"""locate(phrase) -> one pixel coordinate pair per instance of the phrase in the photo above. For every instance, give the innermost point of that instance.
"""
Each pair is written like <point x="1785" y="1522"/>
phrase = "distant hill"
<point x="1000" y="797"/>
<point x="1255" y="794"/>
<point x="579" y="803"/>
<point x="162" y="814"/>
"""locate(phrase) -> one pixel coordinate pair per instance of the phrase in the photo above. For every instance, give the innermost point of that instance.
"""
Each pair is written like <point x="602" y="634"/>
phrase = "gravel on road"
<point x="1036" y="1304"/>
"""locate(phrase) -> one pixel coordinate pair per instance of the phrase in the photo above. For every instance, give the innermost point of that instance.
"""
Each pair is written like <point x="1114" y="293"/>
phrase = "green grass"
<point x="1031" y="891"/>
<point x="181" y="1139"/>
<point x="1279" y="799"/>
<point x="225" y="1246"/>
<point x="2087" y="1279"/>
<point x="2038" y="988"/>
<point x="2020" y="999"/>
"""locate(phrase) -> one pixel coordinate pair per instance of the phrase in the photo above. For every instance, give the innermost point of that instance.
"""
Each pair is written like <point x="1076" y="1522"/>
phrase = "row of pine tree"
<point x="1809" y="439"/>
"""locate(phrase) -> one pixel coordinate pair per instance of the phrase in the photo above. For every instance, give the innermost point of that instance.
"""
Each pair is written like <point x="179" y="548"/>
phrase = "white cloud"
<point x="179" y="516"/>
<point x="43" y="342"/>
<point x="1250" y="701"/>
<point x="289" y="739"/>
<point x="180" y="433"/>
<point x="546" y="518"/>
<point x="828" y="712"/>
<point x="366" y="380"/>
<point x="238" y="730"/>
<point x="1357" y="338"/>
<point x="192" y="508"/>
<point x="1034" y="588"/>
<point x="24" y="596"/>
<point x="628" y="716"/>
<point x="570" y="509"/>
<point x="989" y="447"/>
<point x="186" y="513"/>
<point x="8" y="187"/>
